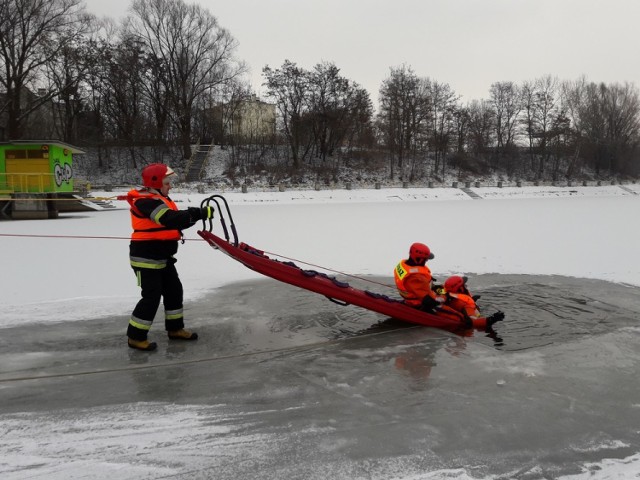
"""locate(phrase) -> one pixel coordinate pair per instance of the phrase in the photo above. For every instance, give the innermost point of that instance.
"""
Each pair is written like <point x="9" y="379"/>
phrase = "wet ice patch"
<point x="601" y="445"/>
<point x="528" y="364"/>
<point x="609" y="469"/>
<point x="127" y="441"/>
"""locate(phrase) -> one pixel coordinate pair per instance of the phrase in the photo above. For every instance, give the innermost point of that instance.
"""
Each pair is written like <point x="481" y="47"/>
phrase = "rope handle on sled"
<point x="207" y="225"/>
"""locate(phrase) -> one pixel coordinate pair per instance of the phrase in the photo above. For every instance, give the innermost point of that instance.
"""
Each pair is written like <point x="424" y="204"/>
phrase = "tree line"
<point x="142" y="81"/>
<point x="543" y="128"/>
<point x="167" y="75"/>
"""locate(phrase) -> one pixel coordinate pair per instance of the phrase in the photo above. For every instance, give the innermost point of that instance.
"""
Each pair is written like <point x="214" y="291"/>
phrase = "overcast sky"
<point x="468" y="44"/>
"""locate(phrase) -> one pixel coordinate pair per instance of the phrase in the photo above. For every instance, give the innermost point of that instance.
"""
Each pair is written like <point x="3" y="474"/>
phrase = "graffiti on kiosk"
<point x="62" y="173"/>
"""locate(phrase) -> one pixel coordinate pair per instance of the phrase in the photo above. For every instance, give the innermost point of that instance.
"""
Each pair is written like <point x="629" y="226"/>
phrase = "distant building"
<point x="252" y="120"/>
<point x="245" y="121"/>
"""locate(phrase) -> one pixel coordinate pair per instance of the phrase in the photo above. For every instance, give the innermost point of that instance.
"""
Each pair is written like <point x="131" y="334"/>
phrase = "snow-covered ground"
<point x="76" y="267"/>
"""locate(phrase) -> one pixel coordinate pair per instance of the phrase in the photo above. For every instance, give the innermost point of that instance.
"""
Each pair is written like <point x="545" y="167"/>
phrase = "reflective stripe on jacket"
<point x="402" y="273"/>
<point x="150" y="228"/>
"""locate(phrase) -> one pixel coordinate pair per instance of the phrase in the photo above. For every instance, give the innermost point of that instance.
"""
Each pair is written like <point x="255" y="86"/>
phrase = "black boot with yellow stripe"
<point x="144" y="345"/>
<point x="182" y="334"/>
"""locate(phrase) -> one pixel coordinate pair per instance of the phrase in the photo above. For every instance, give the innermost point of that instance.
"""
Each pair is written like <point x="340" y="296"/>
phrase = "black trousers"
<point x="157" y="284"/>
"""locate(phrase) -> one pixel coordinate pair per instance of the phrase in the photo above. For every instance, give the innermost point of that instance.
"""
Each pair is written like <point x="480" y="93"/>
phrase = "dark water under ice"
<point x="540" y="310"/>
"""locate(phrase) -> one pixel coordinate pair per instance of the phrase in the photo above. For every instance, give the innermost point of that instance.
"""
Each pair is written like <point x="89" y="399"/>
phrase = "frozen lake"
<point x="285" y="384"/>
<point x="324" y="391"/>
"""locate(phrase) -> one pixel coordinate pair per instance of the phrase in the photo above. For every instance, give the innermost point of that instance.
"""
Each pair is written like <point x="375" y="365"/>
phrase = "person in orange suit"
<point x="414" y="280"/>
<point x="460" y="299"/>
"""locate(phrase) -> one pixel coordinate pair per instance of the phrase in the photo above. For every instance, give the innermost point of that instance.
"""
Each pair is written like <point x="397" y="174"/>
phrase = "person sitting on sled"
<point x="460" y="299"/>
<point x="414" y="281"/>
<point x="415" y="285"/>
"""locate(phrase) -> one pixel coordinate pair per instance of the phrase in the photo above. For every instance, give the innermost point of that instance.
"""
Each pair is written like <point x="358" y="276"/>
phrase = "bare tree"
<point x="288" y="87"/>
<point x="605" y="121"/>
<point x="461" y="118"/>
<point x="545" y="112"/>
<point x="528" y="92"/>
<point x="620" y="107"/>
<point x="403" y="115"/>
<point x="481" y="126"/>
<point x="572" y="95"/>
<point x="32" y="33"/>
<point x="336" y="105"/>
<point x="97" y="127"/>
<point x="66" y="74"/>
<point x="195" y="51"/>
<point x="506" y="101"/>
<point x="359" y="129"/>
<point x="540" y="119"/>
<point x="156" y="90"/>
<point x="443" y="107"/>
<point x="123" y="94"/>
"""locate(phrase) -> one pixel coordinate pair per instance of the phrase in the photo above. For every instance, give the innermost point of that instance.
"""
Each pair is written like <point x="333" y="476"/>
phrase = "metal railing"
<point x="203" y="167"/>
<point x="194" y="152"/>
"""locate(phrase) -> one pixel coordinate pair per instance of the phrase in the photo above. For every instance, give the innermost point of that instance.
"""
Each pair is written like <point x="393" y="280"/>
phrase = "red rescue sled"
<point x="337" y="291"/>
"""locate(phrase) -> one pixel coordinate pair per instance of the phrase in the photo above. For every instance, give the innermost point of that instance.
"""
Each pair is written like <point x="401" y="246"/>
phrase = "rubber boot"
<point x="144" y="345"/>
<point x="182" y="334"/>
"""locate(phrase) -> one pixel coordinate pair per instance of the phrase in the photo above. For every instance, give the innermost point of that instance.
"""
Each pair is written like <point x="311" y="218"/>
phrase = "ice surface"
<point x="314" y="390"/>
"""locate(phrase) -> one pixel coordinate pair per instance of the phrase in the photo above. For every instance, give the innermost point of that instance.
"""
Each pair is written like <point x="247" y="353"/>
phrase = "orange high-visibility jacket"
<point x="413" y="282"/>
<point x="150" y="228"/>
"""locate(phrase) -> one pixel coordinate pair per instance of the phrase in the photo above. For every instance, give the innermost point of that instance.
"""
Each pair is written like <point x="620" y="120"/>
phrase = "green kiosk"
<point x="34" y="175"/>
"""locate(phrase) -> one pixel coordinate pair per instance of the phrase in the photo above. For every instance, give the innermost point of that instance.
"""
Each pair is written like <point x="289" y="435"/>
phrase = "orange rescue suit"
<point x="462" y="302"/>
<point x="145" y="228"/>
<point x="413" y="282"/>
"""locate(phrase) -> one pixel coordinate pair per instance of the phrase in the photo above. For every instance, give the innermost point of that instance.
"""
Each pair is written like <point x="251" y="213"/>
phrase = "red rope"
<point x="331" y="270"/>
<point x="80" y="236"/>
<point x="197" y="240"/>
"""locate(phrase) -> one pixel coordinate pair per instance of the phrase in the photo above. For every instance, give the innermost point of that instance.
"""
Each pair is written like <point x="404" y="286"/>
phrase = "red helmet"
<point x="420" y="253"/>
<point x="455" y="284"/>
<point x="154" y="174"/>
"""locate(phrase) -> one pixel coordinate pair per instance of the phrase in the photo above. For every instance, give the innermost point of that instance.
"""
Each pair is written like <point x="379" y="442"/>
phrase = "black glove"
<point x="204" y="213"/>
<point x="476" y="298"/>
<point x="428" y="304"/>
<point x="496" y="317"/>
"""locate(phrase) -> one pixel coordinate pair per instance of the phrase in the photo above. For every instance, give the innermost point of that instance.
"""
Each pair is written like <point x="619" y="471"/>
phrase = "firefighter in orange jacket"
<point x="414" y="281"/>
<point x="157" y="226"/>
<point x="460" y="299"/>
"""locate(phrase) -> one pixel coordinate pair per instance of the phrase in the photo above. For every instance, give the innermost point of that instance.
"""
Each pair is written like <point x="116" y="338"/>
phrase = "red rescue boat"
<point x="337" y="291"/>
